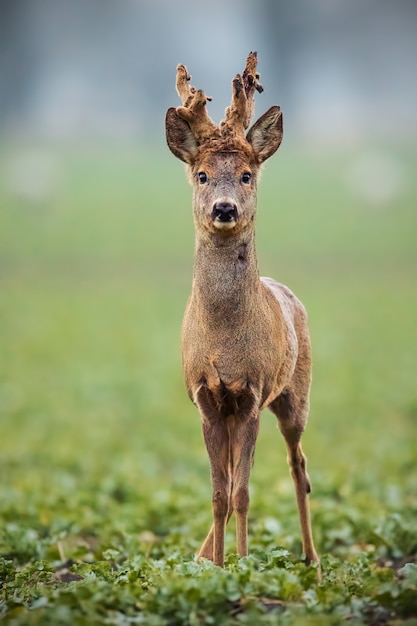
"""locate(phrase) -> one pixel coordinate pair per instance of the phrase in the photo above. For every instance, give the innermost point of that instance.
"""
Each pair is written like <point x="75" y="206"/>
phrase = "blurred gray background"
<point x="342" y="70"/>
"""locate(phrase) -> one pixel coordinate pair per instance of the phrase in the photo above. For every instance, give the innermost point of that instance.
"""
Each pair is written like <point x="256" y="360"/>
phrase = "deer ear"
<point x="265" y="136"/>
<point x="180" y="138"/>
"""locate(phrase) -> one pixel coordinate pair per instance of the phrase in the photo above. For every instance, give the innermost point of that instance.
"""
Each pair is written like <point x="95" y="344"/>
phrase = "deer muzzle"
<point x="224" y="215"/>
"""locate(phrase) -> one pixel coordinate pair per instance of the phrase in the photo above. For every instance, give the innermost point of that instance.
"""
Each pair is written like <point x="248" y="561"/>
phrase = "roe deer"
<point x="245" y="340"/>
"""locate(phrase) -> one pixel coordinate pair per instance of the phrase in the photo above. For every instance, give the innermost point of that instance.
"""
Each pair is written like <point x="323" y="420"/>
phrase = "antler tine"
<point x="239" y="113"/>
<point x="193" y="109"/>
<point x="184" y="89"/>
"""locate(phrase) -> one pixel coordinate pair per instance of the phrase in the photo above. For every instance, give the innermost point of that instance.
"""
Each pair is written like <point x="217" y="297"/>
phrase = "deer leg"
<point x="241" y="439"/>
<point x="216" y="438"/>
<point x="297" y="462"/>
<point x="243" y="435"/>
<point x="292" y="416"/>
<point x="206" y="550"/>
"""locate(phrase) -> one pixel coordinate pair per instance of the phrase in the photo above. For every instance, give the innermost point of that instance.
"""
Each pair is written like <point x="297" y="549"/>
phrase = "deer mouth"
<point x="224" y="215"/>
<point x="224" y="225"/>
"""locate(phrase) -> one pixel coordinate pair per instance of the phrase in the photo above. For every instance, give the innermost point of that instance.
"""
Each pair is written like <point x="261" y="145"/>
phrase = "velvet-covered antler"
<point x="237" y="116"/>
<point x="193" y="109"/>
<point x="239" y="113"/>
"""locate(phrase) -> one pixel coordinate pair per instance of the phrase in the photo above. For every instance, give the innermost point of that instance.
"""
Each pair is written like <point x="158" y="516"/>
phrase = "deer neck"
<point x="226" y="277"/>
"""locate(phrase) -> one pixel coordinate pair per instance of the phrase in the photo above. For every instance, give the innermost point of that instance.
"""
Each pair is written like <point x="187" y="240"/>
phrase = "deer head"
<point x="223" y="161"/>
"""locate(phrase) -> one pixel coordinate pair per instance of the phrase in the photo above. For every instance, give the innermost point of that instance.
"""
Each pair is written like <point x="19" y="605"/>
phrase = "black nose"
<point x="224" y="212"/>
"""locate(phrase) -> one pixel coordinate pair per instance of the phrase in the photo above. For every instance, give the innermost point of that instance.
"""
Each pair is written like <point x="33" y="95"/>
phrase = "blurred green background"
<point x="96" y="252"/>
<point x="94" y="278"/>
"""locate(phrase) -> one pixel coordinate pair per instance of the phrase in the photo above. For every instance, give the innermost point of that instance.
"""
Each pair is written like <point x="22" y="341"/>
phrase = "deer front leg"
<point x="243" y="435"/>
<point x="206" y="550"/>
<point x="216" y="438"/>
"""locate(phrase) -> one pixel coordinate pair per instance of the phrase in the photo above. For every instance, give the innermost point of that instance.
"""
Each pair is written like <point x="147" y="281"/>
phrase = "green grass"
<point x="104" y="481"/>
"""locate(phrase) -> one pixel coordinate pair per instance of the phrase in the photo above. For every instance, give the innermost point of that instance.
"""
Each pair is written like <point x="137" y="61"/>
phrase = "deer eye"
<point x="246" y="178"/>
<point x="202" y="177"/>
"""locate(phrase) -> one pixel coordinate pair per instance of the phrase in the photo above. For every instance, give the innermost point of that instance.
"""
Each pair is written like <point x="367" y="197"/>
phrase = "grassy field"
<point x="104" y="481"/>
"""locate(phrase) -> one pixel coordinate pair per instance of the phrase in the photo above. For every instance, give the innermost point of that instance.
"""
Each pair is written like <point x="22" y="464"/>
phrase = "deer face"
<point x="224" y="173"/>
<point x="224" y="198"/>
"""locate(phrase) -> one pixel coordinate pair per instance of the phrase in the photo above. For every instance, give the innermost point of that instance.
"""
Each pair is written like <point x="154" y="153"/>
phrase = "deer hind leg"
<point x="292" y="412"/>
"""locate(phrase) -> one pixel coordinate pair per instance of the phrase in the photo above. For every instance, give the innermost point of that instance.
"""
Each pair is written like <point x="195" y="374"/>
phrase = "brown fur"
<point x="245" y="340"/>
